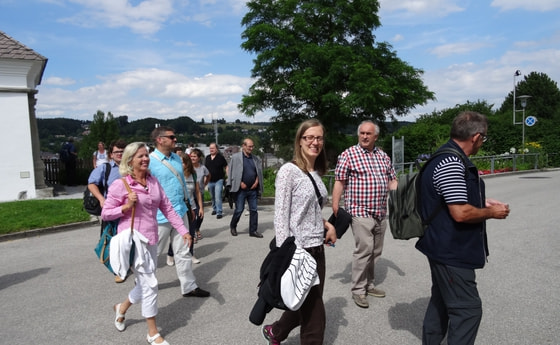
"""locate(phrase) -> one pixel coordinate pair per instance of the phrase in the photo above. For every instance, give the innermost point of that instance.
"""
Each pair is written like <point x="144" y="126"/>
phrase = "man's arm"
<point x="338" y="189"/>
<point x="466" y="213"/>
<point x="393" y="184"/>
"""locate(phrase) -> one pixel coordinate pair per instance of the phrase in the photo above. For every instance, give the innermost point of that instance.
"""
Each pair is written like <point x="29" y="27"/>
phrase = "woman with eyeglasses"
<point x="298" y="213"/>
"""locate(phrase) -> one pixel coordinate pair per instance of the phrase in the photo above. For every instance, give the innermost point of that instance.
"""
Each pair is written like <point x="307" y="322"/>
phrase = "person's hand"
<point x="188" y="239"/>
<point x="330" y="237"/>
<point x="490" y="202"/>
<point x="335" y="210"/>
<point x="243" y="185"/>
<point x="132" y="198"/>
<point x="499" y="211"/>
<point x="201" y="213"/>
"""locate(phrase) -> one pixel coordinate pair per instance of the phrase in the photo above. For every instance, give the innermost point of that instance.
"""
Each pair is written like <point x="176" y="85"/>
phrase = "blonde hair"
<point x="299" y="159"/>
<point x="129" y="151"/>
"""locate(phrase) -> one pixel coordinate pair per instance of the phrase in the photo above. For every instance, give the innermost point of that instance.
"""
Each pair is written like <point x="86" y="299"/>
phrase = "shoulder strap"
<point x="170" y="167"/>
<point x="133" y="207"/>
<point x="107" y="172"/>
<point x="319" y="197"/>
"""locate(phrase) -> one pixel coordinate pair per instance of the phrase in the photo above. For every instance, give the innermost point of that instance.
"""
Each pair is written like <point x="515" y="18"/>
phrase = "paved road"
<point x="53" y="291"/>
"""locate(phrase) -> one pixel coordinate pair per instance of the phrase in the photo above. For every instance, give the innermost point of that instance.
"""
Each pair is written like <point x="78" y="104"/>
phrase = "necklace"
<point x="143" y="185"/>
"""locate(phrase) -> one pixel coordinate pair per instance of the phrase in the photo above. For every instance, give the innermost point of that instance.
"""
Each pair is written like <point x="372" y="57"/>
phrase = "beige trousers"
<point x="368" y="239"/>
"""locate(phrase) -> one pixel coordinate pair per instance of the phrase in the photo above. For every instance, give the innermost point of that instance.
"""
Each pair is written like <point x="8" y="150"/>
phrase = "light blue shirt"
<point x="97" y="175"/>
<point x="169" y="182"/>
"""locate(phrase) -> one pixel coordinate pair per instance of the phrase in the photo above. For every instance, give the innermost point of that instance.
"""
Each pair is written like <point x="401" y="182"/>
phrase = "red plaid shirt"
<point x="366" y="176"/>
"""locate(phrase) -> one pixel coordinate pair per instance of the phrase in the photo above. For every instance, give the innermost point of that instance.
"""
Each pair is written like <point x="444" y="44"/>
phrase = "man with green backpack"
<point x="455" y="240"/>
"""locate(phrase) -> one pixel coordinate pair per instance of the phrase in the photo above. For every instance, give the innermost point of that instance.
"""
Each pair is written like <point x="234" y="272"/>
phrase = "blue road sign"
<point x="530" y="120"/>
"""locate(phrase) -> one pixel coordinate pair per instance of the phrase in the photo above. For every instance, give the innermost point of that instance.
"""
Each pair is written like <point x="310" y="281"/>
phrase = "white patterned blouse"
<point x="297" y="211"/>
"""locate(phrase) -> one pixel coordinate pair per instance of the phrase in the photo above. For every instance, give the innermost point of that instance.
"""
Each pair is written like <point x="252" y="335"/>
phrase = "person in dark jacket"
<point x="455" y="241"/>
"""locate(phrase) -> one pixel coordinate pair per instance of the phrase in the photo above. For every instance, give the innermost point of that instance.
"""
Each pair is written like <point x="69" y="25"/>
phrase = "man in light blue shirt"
<point x="172" y="181"/>
<point x="97" y="175"/>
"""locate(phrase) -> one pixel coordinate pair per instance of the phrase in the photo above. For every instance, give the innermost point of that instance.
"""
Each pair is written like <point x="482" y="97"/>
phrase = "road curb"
<point x="49" y="230"/>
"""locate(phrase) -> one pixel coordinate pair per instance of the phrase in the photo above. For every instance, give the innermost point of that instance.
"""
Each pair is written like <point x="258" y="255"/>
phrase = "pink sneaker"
<point x="268" y="336"/>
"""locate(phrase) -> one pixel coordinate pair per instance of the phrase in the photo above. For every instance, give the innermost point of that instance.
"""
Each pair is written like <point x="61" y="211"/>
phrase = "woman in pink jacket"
<point x="147" y="197"/>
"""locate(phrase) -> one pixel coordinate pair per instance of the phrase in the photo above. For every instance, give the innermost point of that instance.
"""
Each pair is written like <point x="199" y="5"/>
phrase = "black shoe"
<point x="198" y="292"/>
<point x="256" y="234"/>
<point x="213" y="213"/>
<point x="233" y="231"/>
<point x="219" y="216"/>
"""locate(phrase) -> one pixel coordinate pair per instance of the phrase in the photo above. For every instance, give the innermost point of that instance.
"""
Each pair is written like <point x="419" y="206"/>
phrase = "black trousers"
<point x="455" y="307"/>
<point x="311" y="316"/>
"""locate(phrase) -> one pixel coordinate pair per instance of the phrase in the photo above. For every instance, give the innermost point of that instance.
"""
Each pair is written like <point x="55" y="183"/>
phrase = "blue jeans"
<point x="251" y="196"/>
<point x="215" y="189"/>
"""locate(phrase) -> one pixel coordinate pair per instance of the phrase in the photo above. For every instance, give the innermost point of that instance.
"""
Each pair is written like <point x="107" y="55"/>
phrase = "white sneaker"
<point x="195" y="260"/>
<point x="170" y="261"/>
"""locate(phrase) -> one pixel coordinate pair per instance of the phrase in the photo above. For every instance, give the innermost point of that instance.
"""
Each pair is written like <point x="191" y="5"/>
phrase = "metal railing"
<point x="494" y="164"/>
<point x="55" y="171"/>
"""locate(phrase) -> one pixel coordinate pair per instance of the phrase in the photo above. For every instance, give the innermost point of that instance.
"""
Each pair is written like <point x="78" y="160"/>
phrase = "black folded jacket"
<point x="341" y="222"/>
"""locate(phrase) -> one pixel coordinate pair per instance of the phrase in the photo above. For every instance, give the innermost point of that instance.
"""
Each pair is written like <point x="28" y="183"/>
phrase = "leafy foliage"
<point x="103" y="128"/>
<point x="319" y="58"/>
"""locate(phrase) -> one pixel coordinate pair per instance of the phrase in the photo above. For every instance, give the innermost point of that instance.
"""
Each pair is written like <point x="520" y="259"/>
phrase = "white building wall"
<point x="17" y="180"/>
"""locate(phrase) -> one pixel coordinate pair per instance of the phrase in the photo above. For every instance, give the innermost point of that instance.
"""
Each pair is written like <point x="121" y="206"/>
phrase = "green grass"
<point x="35" y="214"/>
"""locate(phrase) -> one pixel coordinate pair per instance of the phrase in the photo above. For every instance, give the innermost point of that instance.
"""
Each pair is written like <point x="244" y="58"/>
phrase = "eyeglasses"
<point x="484" y="137"/>
<point x="311" y="138"/>
<point x="171" y="137"/>
<point x="117" y="152"/>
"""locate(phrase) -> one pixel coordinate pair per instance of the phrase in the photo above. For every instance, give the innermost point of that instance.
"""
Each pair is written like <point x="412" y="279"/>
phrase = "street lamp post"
<point x="523" y="100"/>
<point x="516" y="74"/>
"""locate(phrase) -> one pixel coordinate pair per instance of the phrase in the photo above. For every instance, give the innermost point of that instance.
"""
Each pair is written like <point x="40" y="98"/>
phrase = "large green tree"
<point x="319" y="58"/>
<point x="102" y="128"/>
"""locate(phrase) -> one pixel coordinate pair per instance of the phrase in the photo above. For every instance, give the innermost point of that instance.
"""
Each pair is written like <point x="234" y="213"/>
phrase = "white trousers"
<point x="182" y="255"/>
<point x="146" y="288"/>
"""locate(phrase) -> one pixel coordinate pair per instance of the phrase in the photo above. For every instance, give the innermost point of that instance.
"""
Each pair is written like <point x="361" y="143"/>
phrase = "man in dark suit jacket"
<point x="245" y="178"/>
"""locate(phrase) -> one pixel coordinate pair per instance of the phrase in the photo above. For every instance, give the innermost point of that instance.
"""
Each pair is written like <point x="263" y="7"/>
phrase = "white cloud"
<point x="490" y="81"/>
<point x="533" y="5"/>
<point x="398" y="38"/>
<point x="145" y="18"/>
<point x="150" y="92"/>
<point x="457" y="48"/>
<point x="409" y="8"/>
<point x="58" y="81"/>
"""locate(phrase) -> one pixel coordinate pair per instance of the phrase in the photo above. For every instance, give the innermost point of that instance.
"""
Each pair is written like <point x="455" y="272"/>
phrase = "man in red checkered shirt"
<point x="364" y="173"/>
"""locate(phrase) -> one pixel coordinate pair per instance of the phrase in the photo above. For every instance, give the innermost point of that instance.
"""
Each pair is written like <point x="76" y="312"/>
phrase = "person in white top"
<point x="100" y="156"/>
<point x="298" y="213"/>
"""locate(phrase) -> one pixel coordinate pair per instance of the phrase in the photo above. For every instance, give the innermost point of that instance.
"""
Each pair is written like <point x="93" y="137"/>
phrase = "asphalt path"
<point x="54" y="291"/>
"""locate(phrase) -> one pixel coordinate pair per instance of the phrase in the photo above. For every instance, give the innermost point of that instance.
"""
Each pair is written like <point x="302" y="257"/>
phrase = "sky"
<point x="171" y="58"/>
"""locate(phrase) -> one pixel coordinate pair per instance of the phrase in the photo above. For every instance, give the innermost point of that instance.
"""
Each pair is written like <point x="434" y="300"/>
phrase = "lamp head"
<point x="523" y="100"/>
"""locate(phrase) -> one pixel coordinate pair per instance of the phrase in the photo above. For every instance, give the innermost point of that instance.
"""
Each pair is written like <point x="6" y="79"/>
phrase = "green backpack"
<point x="404" y="215"/>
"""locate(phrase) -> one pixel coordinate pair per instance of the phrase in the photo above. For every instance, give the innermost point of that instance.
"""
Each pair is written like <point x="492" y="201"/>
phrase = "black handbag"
<point x="90" y="203"/>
